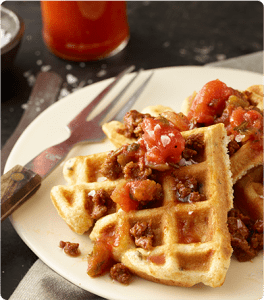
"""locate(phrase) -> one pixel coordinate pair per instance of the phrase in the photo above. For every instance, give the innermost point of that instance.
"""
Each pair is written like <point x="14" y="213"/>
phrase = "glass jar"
<point x="84" y="30"/>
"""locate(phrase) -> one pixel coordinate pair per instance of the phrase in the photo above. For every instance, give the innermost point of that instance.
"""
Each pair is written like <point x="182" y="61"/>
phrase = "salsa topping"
<point x="161" y="144"/>
<point x="134" y="194"/>
<point x="210" y="102"/>
<point x="100" y="260"/>
<point x="217" y="103"/>
<point x="246" y="122"/>
<point x="162" y="141"/>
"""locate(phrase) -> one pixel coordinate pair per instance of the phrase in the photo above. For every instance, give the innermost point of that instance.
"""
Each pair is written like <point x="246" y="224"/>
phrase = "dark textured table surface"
<point x="161" y="34"/>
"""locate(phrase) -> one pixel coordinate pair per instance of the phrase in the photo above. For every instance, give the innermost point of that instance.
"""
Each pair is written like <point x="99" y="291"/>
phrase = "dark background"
<point x="173" y="33"/>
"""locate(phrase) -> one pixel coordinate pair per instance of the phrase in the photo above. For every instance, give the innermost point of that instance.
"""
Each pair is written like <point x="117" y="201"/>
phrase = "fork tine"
<point x="127" y="106"/>
<point x="82" y="116"/>
<point x="103" y="114"/>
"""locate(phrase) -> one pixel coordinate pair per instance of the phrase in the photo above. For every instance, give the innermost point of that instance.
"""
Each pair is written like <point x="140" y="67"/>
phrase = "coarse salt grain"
<point x="100" y="179"/>
<point x="101" y="73"/>
<point x="31" y="80"/>
<point x="63" y="92"/>
<point x="157" y="127"/>
<point x="165" y="140"/>
<point x="71" y="79"/>
<point x="239" y="137"/>
<point x="184" y="162"/>
<point x="166" y="44"/>
<point x="91" y="193"/>
<point x="27" y="73"/>
<point x="45" y="68"/>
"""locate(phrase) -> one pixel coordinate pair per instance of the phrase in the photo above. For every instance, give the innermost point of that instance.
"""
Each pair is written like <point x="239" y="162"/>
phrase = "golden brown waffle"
<point x="248" y="193"/>
<point x="191" y="240"/>
<point x="73" y="202"/>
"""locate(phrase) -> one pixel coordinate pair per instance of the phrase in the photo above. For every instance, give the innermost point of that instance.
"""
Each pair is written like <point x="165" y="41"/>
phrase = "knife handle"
<point x="17" y="185"/>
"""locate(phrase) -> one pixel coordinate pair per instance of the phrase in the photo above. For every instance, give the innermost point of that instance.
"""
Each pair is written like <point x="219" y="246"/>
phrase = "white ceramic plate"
<point x="39" y="225"/>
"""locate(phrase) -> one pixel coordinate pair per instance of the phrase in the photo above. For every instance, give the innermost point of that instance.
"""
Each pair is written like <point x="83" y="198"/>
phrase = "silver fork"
<point x="18" y="184"/>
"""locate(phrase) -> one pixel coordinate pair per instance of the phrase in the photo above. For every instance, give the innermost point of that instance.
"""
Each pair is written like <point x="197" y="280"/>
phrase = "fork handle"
<point x="17" y="185"/>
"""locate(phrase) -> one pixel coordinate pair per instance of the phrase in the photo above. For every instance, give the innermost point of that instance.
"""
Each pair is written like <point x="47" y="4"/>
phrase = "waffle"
<point x="191" y="240"/>
<point x="246" y="157"/>
<point x="173" y="260"/>
<point x="248" y="193"/>
<point x="73" y="202"/>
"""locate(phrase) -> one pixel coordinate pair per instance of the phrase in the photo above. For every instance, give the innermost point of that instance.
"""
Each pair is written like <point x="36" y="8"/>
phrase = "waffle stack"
<point x="191" y="242"/>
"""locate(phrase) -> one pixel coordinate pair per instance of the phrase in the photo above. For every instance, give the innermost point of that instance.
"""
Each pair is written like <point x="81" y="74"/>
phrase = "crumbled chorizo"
<point x="138" y="170"/>
<point x="187" y="190"/>
<point x="120" y="273"/>
<point x="143" y="234"/>
<point x="233" y="146"/>
<point x="246" y="236"/>
<point x="100" y="201"/>
<point x="71" y="249"/>
<point x="111" y="169"/>
<point x="132" y="123"/>
<point x="127" y="160"/>
<point x="194" y="145"/>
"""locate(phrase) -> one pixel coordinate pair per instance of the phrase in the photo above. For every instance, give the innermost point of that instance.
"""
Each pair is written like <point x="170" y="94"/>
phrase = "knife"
<point x="44" y="93"/>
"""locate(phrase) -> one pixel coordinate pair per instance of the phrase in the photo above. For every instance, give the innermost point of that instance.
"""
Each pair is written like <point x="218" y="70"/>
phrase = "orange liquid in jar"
<point x="84" y="30"/>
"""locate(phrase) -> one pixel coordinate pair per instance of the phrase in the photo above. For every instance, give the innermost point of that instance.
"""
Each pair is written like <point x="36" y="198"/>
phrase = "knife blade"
<point x="44" y="93"/>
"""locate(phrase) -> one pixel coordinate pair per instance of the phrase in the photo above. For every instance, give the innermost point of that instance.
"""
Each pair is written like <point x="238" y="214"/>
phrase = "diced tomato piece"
<point x="121" y="196"/>
<point x="163" y="141"/>
<point x="210" y="102"/>
<point x="100" y="261"/>
<point x="248" y="122"/>
<point x="128" y="195"/>
<point x="144" y="190"/>
<point x="252" y="117"/>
